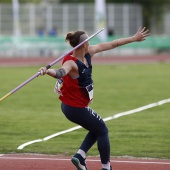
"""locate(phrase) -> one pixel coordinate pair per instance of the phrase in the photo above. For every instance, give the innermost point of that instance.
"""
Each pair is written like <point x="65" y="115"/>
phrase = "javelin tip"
<point x="5" y="96"/>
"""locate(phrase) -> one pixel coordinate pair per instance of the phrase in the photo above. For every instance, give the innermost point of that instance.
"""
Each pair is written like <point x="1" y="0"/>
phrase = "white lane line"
<point x="138" y="109"/>
<point x="141" y="162"/>
<point x="105" y="119"/>
<point x="62" y="132"/>
<point x="88" y="160"/>
<point x="48" y="137"/>
<point x="29" y="143"/>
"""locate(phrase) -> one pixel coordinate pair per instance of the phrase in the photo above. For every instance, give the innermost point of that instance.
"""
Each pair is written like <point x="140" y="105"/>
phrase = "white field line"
<point x="29" y="143"/>
<point x="105" y="119"/>
<point x="88" y="160"/>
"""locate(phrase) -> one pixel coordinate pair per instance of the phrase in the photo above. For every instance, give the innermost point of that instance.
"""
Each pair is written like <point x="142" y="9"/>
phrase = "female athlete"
<point x="76" y="92"/>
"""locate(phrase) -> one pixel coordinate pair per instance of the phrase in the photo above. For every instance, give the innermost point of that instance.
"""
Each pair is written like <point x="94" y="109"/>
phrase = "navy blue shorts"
<point x="85" y="117"/>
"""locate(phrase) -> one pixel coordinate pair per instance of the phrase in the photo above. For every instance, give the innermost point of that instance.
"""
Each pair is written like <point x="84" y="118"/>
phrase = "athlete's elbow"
<point x="60" y="73"/>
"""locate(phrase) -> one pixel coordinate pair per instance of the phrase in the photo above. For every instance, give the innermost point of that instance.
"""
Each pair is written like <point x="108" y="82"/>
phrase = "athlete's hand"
<point x="141" y="34"/>
<point x="43" y="71"/>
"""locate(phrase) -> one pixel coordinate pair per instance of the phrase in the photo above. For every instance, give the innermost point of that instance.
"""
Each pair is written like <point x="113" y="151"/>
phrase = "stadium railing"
<point x="55" y="46"/>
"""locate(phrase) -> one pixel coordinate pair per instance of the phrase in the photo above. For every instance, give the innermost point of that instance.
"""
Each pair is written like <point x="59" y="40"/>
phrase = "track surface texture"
<point x="17" y="61"/>
<point x="51" y="162"/>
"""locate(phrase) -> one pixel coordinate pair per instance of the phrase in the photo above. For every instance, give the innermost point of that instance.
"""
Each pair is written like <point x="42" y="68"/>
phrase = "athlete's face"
<point x="86" y="46"/>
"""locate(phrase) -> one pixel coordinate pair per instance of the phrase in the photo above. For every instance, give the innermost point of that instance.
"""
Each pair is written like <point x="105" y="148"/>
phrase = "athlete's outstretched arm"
<point x="140" y="35"/>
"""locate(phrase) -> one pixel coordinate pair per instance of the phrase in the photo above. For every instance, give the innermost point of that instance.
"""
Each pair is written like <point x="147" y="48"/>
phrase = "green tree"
<point x="149" y="8"/>
<point x="21" y="1"/>
<point x="5" y="1"/>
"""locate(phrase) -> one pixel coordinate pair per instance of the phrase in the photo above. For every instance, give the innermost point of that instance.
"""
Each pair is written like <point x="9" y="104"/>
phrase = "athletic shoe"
<point x="107" y="169"/>
<point x="79" y="162"/>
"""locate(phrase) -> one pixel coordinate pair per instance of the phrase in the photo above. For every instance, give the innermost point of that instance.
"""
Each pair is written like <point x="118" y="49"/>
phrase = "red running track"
<point x="96" y="60"/>
<point x="49" y="162"/>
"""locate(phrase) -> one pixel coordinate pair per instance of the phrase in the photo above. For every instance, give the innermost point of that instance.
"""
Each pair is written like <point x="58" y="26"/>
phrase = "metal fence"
<point x="123" y="19"/>
<point x="35" y="21"/>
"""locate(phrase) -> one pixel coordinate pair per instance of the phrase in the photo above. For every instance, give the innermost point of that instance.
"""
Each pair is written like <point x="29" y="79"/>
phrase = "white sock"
<point x="82" y="153"/>
<point x="106" y="166"/>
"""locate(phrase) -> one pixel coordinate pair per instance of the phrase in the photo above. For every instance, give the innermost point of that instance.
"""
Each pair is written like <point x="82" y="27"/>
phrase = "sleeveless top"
<point x="76" y="91"/>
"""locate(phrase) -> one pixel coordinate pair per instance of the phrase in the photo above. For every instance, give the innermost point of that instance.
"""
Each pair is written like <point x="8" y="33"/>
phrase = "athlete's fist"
<point x="43" y="71"/>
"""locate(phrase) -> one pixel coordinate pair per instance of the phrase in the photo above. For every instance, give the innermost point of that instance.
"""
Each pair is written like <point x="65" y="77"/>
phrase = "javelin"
<point x="48" y="66"/>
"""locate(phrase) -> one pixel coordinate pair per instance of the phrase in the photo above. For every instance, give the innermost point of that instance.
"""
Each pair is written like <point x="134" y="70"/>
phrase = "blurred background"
<point x="37" y="28"/>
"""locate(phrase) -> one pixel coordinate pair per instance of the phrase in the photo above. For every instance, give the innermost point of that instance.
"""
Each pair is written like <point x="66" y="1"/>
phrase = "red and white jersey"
<point x="77" y="91"/>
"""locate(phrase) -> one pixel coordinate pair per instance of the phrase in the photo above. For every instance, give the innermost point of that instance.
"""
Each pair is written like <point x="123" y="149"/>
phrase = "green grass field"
<point x="34" y="112"/>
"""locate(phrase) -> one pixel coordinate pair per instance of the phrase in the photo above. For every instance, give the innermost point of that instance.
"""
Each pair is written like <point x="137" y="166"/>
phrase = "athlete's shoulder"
<point x="69" y="57"/>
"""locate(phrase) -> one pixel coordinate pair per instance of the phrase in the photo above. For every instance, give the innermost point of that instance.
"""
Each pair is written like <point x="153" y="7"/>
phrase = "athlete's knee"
<point x="104" y="130"/>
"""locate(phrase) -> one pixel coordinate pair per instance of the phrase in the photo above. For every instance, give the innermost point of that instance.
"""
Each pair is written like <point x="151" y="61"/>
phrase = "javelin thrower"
<point x="75" y="88"/>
